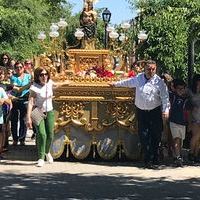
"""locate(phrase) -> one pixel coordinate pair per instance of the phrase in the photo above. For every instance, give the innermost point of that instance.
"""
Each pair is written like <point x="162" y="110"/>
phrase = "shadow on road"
<point x="43" y="186"/>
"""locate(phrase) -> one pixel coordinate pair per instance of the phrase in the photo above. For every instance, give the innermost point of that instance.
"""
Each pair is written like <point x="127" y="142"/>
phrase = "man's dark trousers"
<point x="150" y="126"/>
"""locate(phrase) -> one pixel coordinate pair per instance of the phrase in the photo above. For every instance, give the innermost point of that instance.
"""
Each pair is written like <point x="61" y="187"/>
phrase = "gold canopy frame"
<point x="82" y="59"/>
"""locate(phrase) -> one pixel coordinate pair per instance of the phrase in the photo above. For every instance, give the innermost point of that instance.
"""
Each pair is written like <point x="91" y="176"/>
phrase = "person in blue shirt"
<point x="21" y="82"/>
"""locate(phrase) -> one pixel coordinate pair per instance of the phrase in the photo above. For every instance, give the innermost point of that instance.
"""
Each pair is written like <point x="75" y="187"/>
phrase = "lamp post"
<point x="141" y="38"/>
<point x="192" y="38"/>
<point x="55" y="49"/>
<point x="106" y="15"/>
<point x="142" y="35"/>
<point x="191" y="55"/>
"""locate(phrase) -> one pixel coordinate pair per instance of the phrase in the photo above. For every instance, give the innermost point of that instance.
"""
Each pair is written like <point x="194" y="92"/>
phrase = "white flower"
<point x="93" y="75"/>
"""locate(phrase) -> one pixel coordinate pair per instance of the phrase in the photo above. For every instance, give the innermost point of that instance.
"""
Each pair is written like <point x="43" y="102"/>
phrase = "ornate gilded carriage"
<point x="91" y="116"/>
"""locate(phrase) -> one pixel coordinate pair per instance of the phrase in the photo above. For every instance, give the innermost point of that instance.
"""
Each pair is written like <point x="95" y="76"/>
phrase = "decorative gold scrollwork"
<point x="71" y="112"/>
<point x="95" y="115"/>
<point x="119" y="110"/>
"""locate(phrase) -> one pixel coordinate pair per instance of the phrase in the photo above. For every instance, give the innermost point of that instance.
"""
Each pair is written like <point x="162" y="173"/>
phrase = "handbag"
<point x="37" y="116"/>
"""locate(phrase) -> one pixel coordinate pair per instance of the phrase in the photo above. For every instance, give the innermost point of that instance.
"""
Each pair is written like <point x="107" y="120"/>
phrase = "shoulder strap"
<point x="174" y="98"/>
<point x="185" y="102"/>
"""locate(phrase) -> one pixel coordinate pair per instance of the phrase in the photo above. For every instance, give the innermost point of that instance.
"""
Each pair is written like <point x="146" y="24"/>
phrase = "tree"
<point x="168" y="23"/>
<point x="21" y="20"/>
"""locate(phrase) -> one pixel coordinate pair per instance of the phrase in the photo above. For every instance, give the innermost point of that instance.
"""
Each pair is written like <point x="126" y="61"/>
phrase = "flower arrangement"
<point x="102" y="72"/>
<point x="96" y="71"/>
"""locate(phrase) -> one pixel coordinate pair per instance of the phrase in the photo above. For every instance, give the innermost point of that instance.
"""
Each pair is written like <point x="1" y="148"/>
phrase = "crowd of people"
<point x="23" y="88"/>
<point x="165" y="106"/>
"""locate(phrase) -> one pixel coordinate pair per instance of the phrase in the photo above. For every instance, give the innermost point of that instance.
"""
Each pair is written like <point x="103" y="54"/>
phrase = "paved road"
<point x="20" y="179"/>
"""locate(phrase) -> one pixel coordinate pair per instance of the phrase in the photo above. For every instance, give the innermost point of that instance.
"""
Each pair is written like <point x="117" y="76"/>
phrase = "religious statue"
<point x="88" y="24"/>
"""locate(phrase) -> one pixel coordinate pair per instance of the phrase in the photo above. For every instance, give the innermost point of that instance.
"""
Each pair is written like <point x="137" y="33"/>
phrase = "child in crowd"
<point x="178" y="118"/>
<point x="5" y="107"/>
<point x="3" y="99"/>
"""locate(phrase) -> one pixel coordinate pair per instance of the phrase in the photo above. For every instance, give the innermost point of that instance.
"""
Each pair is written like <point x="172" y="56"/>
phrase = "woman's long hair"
<point x="37" y="73"/>
<point x="1" y="59"/>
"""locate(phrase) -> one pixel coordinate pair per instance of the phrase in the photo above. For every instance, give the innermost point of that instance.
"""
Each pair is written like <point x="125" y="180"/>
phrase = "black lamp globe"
<point x="106" y="15"/>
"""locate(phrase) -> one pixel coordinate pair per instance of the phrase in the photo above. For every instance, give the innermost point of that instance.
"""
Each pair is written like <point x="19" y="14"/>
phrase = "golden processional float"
<point x="91" y="117"/>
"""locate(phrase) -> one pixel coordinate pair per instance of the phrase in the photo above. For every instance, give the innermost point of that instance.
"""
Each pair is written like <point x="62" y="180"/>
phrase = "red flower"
<point x="100" y="72"/>
<point x="131" y="73"/>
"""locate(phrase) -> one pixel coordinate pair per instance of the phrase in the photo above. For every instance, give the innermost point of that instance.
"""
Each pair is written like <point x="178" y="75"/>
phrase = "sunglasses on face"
<point x="18" y="67"/>
<point x="5" y="58"/>
<point x="43" y="74"/>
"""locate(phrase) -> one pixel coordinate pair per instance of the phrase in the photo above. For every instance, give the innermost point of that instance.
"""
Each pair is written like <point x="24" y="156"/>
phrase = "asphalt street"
<point x="20" y="179"/>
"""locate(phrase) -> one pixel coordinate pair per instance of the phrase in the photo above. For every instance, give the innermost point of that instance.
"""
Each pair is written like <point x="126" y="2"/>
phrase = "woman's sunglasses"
<point x="18" y="67"/>
<point x="43" y="74"/>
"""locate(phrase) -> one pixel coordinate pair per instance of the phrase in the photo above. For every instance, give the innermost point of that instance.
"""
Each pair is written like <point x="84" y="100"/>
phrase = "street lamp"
<point x="142" y="35"/>
<point x="55" y="49"/>
<point x="192" y="38"/>
<point x="106" y="15"/>
<point x="79" y="34"/>
<point x="191" y="54"/>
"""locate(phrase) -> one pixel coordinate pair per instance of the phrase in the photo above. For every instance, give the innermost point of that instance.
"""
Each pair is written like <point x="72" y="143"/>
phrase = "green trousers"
<point x="45" y="132"/>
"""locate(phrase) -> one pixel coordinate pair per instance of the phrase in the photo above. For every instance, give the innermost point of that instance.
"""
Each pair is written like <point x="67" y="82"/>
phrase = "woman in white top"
<point x="41" y="93"/>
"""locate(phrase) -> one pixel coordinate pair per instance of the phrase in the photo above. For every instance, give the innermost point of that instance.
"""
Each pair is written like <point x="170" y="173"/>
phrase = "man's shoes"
<point x="179" y="161"/>
<point x="49" y="158"/>
<point x="155" y="162"/>
<point x="40" y="163"/>
<point x="148" y="165"/>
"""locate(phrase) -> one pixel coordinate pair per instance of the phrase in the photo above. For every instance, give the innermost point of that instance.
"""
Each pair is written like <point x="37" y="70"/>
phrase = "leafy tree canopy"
<point x="21" y="20"/>
<point x="170" y="25"/>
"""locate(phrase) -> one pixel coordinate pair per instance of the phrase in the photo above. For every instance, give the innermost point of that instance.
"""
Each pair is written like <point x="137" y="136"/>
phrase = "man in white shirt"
<point x="152" y="103"/>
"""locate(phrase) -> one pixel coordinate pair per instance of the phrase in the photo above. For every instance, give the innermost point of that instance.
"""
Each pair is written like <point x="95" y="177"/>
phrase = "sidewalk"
<point x="20" y="179"/>
<point x="22" y="153"/>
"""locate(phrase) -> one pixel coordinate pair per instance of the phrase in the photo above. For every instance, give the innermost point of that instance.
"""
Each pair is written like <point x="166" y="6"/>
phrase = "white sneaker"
<point x="49" y="158"/>
<point x="40" y="163"/>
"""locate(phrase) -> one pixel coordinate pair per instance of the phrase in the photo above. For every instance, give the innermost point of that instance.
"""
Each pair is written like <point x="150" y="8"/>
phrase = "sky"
<point x="119" y="8"/>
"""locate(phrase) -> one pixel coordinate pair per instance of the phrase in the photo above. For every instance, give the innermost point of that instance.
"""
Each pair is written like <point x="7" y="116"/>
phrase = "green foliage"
<point x="168" y="40"/>
<point x="21" y="21"/>
<point x="170" y="25"/>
